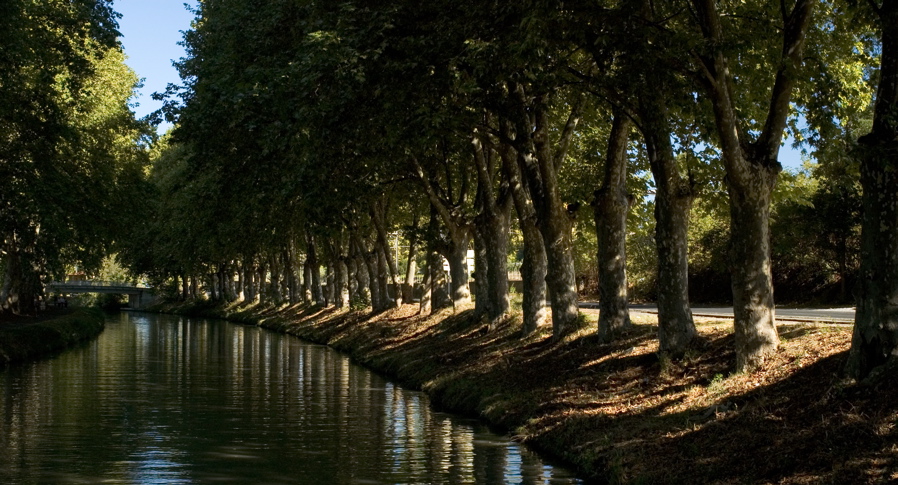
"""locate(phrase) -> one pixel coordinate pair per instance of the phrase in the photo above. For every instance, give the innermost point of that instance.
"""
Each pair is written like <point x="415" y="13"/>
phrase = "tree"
<point x="751" y="166"/>
<point x="68" y="137"/>
<point x="875" y="338"/>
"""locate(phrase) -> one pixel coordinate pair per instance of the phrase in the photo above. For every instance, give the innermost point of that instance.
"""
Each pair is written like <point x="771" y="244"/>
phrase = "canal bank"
<point x="26" y="339"/>
<point x="619" y="413"/>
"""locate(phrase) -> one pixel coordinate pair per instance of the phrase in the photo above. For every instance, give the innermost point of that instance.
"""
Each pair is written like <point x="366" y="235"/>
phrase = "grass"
<point x="25" y="339"/>
<point x="617" y="411"/>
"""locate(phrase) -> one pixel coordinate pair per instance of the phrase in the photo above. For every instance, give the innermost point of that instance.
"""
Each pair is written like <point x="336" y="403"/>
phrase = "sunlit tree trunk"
<point x="434" y="295"/>
<point x="307" y="294"/>
<point x="341" y="280"/>
<point x="314" y="269"/>
<point x="185" y="286"/>
<point x="455" y="249"/>
<point x="673" y="201"/>
<point x="610" y="208"/>
<point x="752" y="169"/>
<point x="540" y="159"/>
<point x="411" y="269"/>
<point x="533" y="268"/>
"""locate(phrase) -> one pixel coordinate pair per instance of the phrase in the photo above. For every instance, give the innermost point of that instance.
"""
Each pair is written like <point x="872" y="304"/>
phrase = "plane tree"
<point x="66" y="137"/>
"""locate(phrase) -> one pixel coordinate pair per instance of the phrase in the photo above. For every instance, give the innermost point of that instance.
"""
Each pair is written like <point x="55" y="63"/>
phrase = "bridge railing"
<point x="95" y="283"/>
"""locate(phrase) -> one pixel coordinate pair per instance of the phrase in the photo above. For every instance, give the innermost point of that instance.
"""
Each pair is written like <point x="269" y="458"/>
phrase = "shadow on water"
<point x="166" y="399"/>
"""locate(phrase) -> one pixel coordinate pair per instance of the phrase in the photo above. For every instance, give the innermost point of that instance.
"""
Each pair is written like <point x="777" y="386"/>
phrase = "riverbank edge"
<point x="46" y="338"/>
<point x="618" y="412"/>
<point x="356" y="333"/>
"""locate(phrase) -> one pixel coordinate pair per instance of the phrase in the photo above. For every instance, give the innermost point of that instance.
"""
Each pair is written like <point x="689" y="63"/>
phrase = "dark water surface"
<point x="161" y="399"/>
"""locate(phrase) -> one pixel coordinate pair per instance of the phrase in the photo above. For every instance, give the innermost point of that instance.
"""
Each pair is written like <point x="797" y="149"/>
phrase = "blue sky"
<point x="151" y="30"/>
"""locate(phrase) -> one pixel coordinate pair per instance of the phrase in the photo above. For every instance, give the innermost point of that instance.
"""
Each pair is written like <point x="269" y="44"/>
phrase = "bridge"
<point x="139" y="296"/>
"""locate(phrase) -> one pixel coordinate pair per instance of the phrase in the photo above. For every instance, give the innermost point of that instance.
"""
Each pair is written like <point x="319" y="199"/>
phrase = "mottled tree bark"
<point x="533" y="267"/>
<point x="307" y="295"/>
<point x="341" y="280"/>
<point x="455" y="250"/>
<point x="874" y="343"/>
<point x="330" y="288"/>
<point x="314" y="269"/>
<point x="491" y="227"/>
<point x="363" y="281"/>
<point x="540" y="159"/>
<point x="673" y="201"/>
<point x="185" y="286"/>
<point x="411" y="269"/>
<point x="752" y="169"/>
<point x="434" y="295"/>
<point x="457" y="256"/>
<point x="379" y="218"/>
<point x="610" y="207"/>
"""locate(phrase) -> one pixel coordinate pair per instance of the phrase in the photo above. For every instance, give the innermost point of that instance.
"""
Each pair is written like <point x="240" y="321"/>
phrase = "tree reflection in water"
<point x="163" y="399"/>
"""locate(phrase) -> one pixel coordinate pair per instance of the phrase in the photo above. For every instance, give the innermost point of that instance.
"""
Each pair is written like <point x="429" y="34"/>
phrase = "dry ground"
<point x="620" y="413"/>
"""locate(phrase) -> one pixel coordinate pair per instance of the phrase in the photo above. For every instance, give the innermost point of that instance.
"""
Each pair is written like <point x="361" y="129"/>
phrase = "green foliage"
<point x="293" y="120"/>
<point x="69" y="144"/>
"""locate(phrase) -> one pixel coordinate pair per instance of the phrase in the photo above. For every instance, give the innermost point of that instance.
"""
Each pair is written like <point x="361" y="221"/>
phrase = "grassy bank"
<point x="616" y="411"/>
<point x="23" y="340"/>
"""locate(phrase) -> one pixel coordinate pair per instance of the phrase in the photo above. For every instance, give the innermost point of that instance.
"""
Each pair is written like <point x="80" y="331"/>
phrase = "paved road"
<point x="837" y="315"/>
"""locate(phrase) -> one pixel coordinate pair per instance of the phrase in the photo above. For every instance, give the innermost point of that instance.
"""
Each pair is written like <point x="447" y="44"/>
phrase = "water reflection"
<point x="167" y="400"/>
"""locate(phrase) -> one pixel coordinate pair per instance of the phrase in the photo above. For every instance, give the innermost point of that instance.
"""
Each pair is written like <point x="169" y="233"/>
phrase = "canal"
<point x="161" y="399"/>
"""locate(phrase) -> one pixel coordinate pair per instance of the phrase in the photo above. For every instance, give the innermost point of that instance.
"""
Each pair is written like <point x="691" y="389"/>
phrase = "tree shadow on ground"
<point x="629" y="415"/>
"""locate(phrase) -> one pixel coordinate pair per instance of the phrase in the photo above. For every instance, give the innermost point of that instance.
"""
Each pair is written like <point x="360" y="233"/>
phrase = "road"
<point x="833" y="315"/>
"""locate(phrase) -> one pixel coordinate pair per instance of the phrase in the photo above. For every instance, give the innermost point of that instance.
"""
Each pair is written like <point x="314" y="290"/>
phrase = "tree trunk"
<point x="292" y="280"/>
<point x="434" y="295"/>
<point x="456" y="249"/>
<point x="341" y="279"/>
<point x="533" y="267"/>
<point x="213" y="287"/>
<point x="673" y="201"/>
<point x="561" y="280"/>
<point x="307" y="294"/>
<point x="185" y="286"/>
<point x="457" y="256"/>
<point x="241" y="281"/>
<point x="6" y="284"/>
<point x="750" y="269"/>
<point x="676" y="328"/>
<point x="194" y="287"/>
<point x="263" y="289"/>
<point x="752" y="169"/>
<point x="379" y="217"/>
<point x="875" y="339"/>
<point x="480" y="290"/>
<point x="329" y="284"/>
<point x="314" y="269"/>
<point x="491" y="226"/>
<point x="540" y="160"/>
<point x="377" y="296"/>
<point x="363" y="280"/>
<point x="411" y="269"/>
<point x="610" y="210"/>
<point x="249" y="293"/>
<point x="352" y="282"/>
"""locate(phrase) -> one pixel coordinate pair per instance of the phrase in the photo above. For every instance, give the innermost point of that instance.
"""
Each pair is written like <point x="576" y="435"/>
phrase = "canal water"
<point x="160" y="399"/>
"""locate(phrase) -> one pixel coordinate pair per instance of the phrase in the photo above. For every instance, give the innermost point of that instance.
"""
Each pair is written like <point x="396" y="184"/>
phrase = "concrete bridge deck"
<point x="138" y="296"/>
